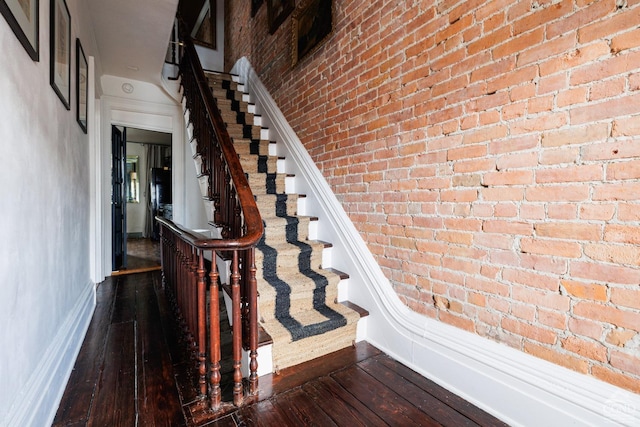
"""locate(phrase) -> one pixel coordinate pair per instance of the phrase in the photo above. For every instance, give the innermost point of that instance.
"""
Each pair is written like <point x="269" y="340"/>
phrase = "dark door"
<point x="118" y="200"/>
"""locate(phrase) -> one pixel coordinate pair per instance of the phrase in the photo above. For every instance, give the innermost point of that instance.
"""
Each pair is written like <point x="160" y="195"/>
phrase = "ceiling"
<point x="132" y="36"/>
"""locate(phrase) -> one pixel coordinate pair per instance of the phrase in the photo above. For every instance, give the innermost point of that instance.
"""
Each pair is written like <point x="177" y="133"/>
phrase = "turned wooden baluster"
<point x="253" y="321"/>
<point x="214" y="335"/>
<point x="237" y="331"/>
<point x="202" y="326"/>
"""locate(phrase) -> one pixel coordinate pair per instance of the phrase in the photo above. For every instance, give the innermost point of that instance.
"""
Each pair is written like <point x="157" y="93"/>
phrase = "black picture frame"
<point x="60" y="66"/>
<point x="82" y="86"/>
<point x="311" y="25"/>
<point x="277" y="12"/>
<point x="23" y="16"/>
<point x="255" y="5"/>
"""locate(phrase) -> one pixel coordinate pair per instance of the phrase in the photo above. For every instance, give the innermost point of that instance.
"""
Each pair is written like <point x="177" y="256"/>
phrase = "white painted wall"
<point x="46" y="293"/>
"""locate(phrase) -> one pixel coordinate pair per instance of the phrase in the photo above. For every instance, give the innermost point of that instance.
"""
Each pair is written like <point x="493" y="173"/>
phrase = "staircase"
<point x="297" y="300"/>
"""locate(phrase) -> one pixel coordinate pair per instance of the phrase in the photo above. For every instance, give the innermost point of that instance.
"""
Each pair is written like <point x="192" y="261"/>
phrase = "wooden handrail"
<point x="252" y="219"/>
<point x="193" y="289"/>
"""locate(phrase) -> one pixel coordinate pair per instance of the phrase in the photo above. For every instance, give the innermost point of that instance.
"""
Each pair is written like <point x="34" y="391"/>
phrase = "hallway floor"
<point x="143" y="255"/>
<point x="131" y="372"/>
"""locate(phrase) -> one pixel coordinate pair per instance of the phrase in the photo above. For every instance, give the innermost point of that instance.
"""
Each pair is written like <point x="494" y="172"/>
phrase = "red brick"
<point x="588" y="349"/>
<point x="582" y="16"/>
<point x="605" y="273"/>
<point x="517" y="161"/>
<point x="614" y="253"/>
<point x="606" y="110"/>
<point x="607" y="89"/>
<point x="513" y="144"/>
<point x="540" y="298"/>
<point x="502" y="194"/>
<point x="532" y="211"/>
<point x="455" y="237"/>
<point x="560" y="156"/>
<point x="574" y="193"/>
<point x="587" y="328"/>
<point x="459" y="196"/>
<point x="551" y="84"/>
<point x="507" y="227"/>
<point x="535" y="333"/>
<point x="623" y="191"/>
<point x="575" y="57"/>
<point x="557" y="46"/>
<point x="551" y="247"/>
<point x="626" y="297"/>
<point x="626" y="19"/>
<point x="563" y="211"/>
<point x="624" y="170"/>
<point x="628" y="212"/>
<point x="570" y="174"/>
<point x="608" y="314"/>
<point x="531" y="279"/>
<point x="506" y="210"/>
<point x="626" y="126"/>
<point x="543" y="15"/>
<point x="467" y="152"/>
<point x="616" y="378"/>
<point x="620" y="337"/>
<point x="489" y="133"/>
<point x="508" y="178"/>
<point x="552" y="120"/>
<point x="583" y="290"/>
<point x="576" y="135"/>
<point x="553" y="319"/>
<point x="611" y="151"/>
<point x="572" y="96"/>
<point x="625" y="362"/>
<point x="544" y="264"/>
<point x="601" y="212"/>
<point x="569" y="230"/>
<point x="559" y="358"/>
<point x="458" y="321"/>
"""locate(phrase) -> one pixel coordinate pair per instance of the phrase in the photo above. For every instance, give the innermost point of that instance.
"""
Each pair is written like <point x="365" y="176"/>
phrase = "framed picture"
<point x="60" y="67"/>
<point x="23" y="18"/>
<point x="82" y="86"/>
<point x="255" y="5"/>
<point x="277" y="11"/>
<point x="204" y="30"/>
<point x="311" y="26"/>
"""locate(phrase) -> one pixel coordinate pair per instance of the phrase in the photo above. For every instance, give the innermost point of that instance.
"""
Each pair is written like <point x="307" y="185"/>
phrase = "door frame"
<point x="135" y="114"/>
<point x="119" y="255"/>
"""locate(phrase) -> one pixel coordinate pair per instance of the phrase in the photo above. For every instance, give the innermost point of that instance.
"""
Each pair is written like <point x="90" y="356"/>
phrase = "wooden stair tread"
<point x="355" y="307"/>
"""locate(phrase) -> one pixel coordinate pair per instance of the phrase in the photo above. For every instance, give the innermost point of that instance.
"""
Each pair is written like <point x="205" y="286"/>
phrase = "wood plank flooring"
<point x="131" y="371"/>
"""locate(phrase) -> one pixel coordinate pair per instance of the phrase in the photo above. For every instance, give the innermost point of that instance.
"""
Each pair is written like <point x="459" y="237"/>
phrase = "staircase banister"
<point x="200" y="241"/>
<point x="252" y="218"/>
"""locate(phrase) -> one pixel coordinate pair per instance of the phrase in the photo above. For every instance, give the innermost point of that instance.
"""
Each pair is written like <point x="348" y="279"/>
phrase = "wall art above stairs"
<point x="298" y="292"/>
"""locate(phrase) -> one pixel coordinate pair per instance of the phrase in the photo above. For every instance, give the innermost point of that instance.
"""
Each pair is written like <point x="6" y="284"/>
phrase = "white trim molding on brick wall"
<point x="518" y="388"/>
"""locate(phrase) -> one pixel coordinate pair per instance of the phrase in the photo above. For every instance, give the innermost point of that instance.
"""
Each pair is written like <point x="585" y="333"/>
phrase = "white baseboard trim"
<point x="41" y="395"/>
<point x="518" y="388"/>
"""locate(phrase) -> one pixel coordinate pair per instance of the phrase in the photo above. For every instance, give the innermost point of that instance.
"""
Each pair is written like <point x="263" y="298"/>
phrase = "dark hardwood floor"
<point x="133" y="371"/>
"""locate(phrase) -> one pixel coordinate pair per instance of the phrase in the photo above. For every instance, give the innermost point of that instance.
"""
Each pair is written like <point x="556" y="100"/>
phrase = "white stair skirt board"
<point x="37" y="403"/>
<point x="518" y="388"/>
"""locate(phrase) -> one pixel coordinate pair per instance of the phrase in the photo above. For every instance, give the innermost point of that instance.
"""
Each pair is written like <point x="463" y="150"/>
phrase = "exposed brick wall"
<point x="488" y="153"/>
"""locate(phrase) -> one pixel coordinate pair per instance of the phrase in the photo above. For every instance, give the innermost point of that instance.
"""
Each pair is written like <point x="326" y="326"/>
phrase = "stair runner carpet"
<point x="297" y="299"/>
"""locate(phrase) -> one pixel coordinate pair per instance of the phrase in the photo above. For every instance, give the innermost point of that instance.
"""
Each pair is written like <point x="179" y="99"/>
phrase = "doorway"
<point x="146" y="154"/>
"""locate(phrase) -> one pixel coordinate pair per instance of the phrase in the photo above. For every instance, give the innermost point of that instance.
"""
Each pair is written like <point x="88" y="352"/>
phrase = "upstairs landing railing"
<point x="189" y="259"/>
